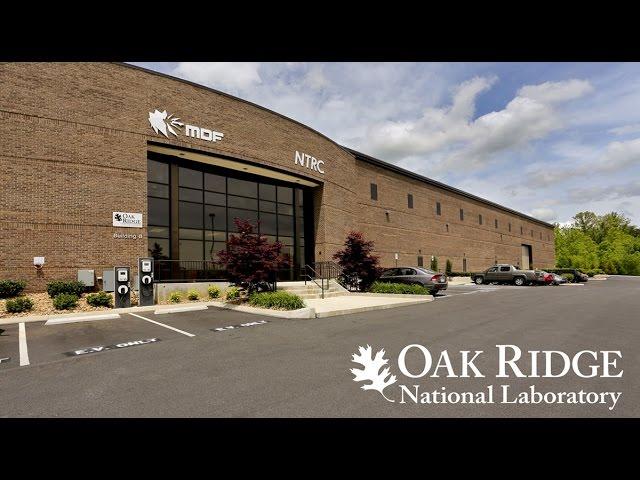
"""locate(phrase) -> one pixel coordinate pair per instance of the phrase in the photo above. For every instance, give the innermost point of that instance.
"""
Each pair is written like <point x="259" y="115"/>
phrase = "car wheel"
<point x="479" y="280"/>
<point x="518" y="281"/>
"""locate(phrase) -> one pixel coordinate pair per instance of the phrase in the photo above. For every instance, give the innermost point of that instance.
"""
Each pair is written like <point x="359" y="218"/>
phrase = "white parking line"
<point x="22" y="344"/>
<point x="165" y="326"/>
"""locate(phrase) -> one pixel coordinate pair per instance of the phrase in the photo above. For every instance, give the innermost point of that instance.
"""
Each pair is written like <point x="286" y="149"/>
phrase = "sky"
<point x="546" y="139"/>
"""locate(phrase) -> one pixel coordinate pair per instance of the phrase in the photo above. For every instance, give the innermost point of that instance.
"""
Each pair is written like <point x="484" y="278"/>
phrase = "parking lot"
<point x="205" y="363"/>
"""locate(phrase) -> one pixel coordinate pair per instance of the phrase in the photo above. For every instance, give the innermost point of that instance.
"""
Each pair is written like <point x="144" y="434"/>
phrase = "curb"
<point x="193" y="308"/>
<point x="348" y="311"/>
<point x="82" y="318"/>
<point x="300" y="313"/>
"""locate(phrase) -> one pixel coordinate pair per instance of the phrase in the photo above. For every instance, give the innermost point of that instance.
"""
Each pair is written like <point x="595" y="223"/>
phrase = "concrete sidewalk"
<point x="346" y="304"/>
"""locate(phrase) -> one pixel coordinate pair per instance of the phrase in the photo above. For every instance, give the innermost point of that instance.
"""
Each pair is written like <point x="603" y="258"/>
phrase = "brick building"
<point x="83" y="142"/>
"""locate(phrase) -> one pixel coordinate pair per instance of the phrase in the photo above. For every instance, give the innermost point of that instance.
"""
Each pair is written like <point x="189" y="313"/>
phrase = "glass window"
<point x="157" y="171"/>
<point x="268" y="224"/>
<point x="505" y="269"/>
<point x="242" y="202"/>
<point x="219" y="219"/>
<point x="480" y="219"/>
<point x="410" y="200"/>
<point x="190" y="195"/>
<point x="421" y="260"/>
<point x="438" y="210"/>
<point x="461" y="214"/>
<point x="299" y="197"/>
<point x="300" y="226"/>
<point x="284" y="209"/>
<point x="191" y="250"/>
<point x="158" y="232"/>
<point x="189" y="178"/>
<point x="190" y="234"/>
<point x="374" y="191"/>
<point x="267" y="206"/>
<point x="213" y="254"/>
<point x="158" y="211"/>
<point x="218" y="235"/>
<point x="241" y="214"/>
<point x="496" y="223"/>
<point x="242" y="187"/>
<point x="190" y="215"/>
<point x="285" y="225"/>
<point x="301" y="259"/>
<point x="215" y="183"/>
<point x="285" y="195"/>
<point x="157" y="190"/>
<point x="286" y="240"/>
<point x="159" y="248"/>
<point x="267" y="192"/>
<point x="215" y="198"/>
<point x="509" y="227"/>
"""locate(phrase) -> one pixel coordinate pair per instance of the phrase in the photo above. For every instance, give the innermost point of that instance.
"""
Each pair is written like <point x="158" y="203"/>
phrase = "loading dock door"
<point x="526" y="257"/>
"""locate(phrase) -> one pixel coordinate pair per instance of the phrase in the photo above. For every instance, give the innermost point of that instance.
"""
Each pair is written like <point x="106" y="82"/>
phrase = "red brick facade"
<point x="74" y="148"/>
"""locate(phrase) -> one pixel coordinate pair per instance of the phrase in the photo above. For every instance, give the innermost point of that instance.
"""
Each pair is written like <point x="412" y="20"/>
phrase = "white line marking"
<point x="22" y="344"/>
<point x="165" y="326"/>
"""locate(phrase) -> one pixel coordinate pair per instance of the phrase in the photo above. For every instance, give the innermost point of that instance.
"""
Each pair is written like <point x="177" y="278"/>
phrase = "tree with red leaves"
<point x="250" y="259"/>
<point x="359" y="266"/>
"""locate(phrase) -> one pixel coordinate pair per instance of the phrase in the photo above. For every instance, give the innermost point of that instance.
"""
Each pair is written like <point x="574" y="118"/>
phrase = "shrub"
<point x="100" y="299"/>
<point x="57" y="287"/>
<point x="568" y="276"/>
<point x="358" y="261"/>
<point x="175" y="297"/>
<point x="399" y="288"/>
<point x="20" y="304"/>
<point x="193" y="295"/>
<point x="65" y="301"/>
<point x="214" y="292"/>
<point x="434" y="263"/>
<point x="276" y="300"/>
<point x="459" y="274"/>
<point x="11" y="288"/>
<point x="232" y="293"/>
<point x="448" y="268"/>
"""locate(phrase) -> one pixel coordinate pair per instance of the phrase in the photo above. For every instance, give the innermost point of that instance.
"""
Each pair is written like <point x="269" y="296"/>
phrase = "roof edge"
<point x="444" y="186"/>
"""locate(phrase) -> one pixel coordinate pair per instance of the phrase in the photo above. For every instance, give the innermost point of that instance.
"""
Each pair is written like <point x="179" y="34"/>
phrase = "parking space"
<point x="9" y="346"/>
<point x="471" y="288"/>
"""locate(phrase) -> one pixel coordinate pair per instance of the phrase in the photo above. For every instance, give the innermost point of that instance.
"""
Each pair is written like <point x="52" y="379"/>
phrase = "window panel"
<point x="190" y="215"/>
<point x="217" y="247"/>
<point x="242" y="202"/>
<point x="218" y="235"/>
<point x="285" y="195"/>
<point x="190" y="195"/>
<point x="215" y="183"/>
<point x="299" y="197"/>
<point x="157" y="171"/>
<point x="267" y="192"/>
<point x="285" y="209"/>
<point x="158" y="211"/>
<point x="268" y="224"/>
<point x="438" y="209"/>
<point x="215" y="198"/>
<point x="191" y="250"/>
<point x="242" y="187"/>
<point x="241" y="214"/>
<point x="286" y="240"/>
<point x="157" y="190"/>
<point x="285" y="225"/>
<point x="219" y="219"/>
<point x="267" y="206"/>
<point x="189" y="178"/>
<point x="190" y="234"/>
<point x="374" y="191"/>
<point x="300" y="226"/>
<point x="159" y="248"/>
<point x="158" y="232"/>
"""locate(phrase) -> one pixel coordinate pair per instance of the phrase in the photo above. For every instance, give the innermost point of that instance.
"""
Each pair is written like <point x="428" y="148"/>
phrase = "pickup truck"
<point x="504" y="273"/>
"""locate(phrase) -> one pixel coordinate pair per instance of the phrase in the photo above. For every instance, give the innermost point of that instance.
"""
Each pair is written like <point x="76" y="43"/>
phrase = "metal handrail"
<point x="323" y="271"/>
<point x="313" y="279"/>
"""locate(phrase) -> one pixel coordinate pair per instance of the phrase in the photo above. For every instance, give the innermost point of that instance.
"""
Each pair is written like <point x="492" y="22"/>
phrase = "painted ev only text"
<point x="307" y="161"/>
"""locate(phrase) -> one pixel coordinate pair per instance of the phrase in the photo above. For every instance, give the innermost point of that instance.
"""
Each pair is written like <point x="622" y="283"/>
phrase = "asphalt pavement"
<point x="221" y="363"/>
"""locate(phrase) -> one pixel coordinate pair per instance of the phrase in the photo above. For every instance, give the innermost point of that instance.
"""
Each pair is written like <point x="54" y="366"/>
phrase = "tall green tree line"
<point x="608" y="242"/>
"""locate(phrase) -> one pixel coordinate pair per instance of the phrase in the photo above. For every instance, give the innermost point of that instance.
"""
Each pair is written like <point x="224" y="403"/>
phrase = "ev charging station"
<point x="122" y="291"/>
<point x="145" y="275"/>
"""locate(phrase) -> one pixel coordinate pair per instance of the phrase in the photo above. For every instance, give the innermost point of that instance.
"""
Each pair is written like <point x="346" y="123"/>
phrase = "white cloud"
<point x="554" y="92"/>
<point x="608" y="192"/>
<point x="546" y="214"/>
<point x="227" y="76"/>
<point x="626" y="129"/>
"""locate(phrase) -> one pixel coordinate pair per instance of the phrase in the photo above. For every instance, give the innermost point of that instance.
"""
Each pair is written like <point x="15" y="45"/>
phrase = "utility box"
<point x="108" y="281"/>
<point x="88" y="277"/>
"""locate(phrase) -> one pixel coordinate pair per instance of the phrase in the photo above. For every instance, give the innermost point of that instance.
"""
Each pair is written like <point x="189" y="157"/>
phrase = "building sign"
<point x="166" y="124"/>
<point x="124" y="219"/>
<point x="307" y="161"/>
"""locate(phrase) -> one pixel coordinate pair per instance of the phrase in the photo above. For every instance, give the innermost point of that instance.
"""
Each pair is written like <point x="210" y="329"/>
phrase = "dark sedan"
<point x="415" y="276"/>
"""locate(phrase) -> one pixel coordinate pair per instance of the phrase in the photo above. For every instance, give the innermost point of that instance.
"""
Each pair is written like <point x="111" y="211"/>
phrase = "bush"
<point x="11" y="288"/>
<point x="193" y="295"/>
<point x="175" y="297"/>
<point x="20" y="304"/>
<point x="399" y="288"/>
<point x="448" y="268"/>
<point x="65" y="301"/>
<point x="232" y="293"/>
<point x="276" y="300"/>
<point x="100" y="299"/>
<point x="434" y="263"/>
<point x="459" y="274"/>
<point x="214" y="292"/>
<point x="57" y="287"/>
<point x="568" y="276"/>
<point x="360" y="267"/>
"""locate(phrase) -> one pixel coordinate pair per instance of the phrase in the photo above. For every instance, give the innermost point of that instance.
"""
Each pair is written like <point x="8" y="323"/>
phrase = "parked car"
<point x="415" y="276"/>
<point x="578" y="276"/>
<point x="543" y="278"/>
<point x="505" y="273"/>
<point x="558" y="280"/>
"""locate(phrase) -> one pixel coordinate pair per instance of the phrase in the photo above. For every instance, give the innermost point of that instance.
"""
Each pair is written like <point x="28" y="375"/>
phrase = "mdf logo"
<point x="165" y="123"/>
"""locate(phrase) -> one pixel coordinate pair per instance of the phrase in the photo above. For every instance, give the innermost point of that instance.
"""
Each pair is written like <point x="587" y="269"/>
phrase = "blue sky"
<point x="547" y="139"/>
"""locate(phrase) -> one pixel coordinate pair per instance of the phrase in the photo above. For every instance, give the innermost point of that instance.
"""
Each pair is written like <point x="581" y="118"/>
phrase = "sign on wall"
<point x="125" y="219"/>
<point x="307" y="161"/>
<point x="166" y="124"/>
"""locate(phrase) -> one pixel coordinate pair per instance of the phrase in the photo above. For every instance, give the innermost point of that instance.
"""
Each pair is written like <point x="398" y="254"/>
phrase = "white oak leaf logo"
<point x="371" y="371"/>
<point x="161" y="122"/>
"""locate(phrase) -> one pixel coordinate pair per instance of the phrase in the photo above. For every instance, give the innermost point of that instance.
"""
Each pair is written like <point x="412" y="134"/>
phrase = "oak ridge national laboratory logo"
<point x="165" y="123"/>
<point x="423" y="378"/>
